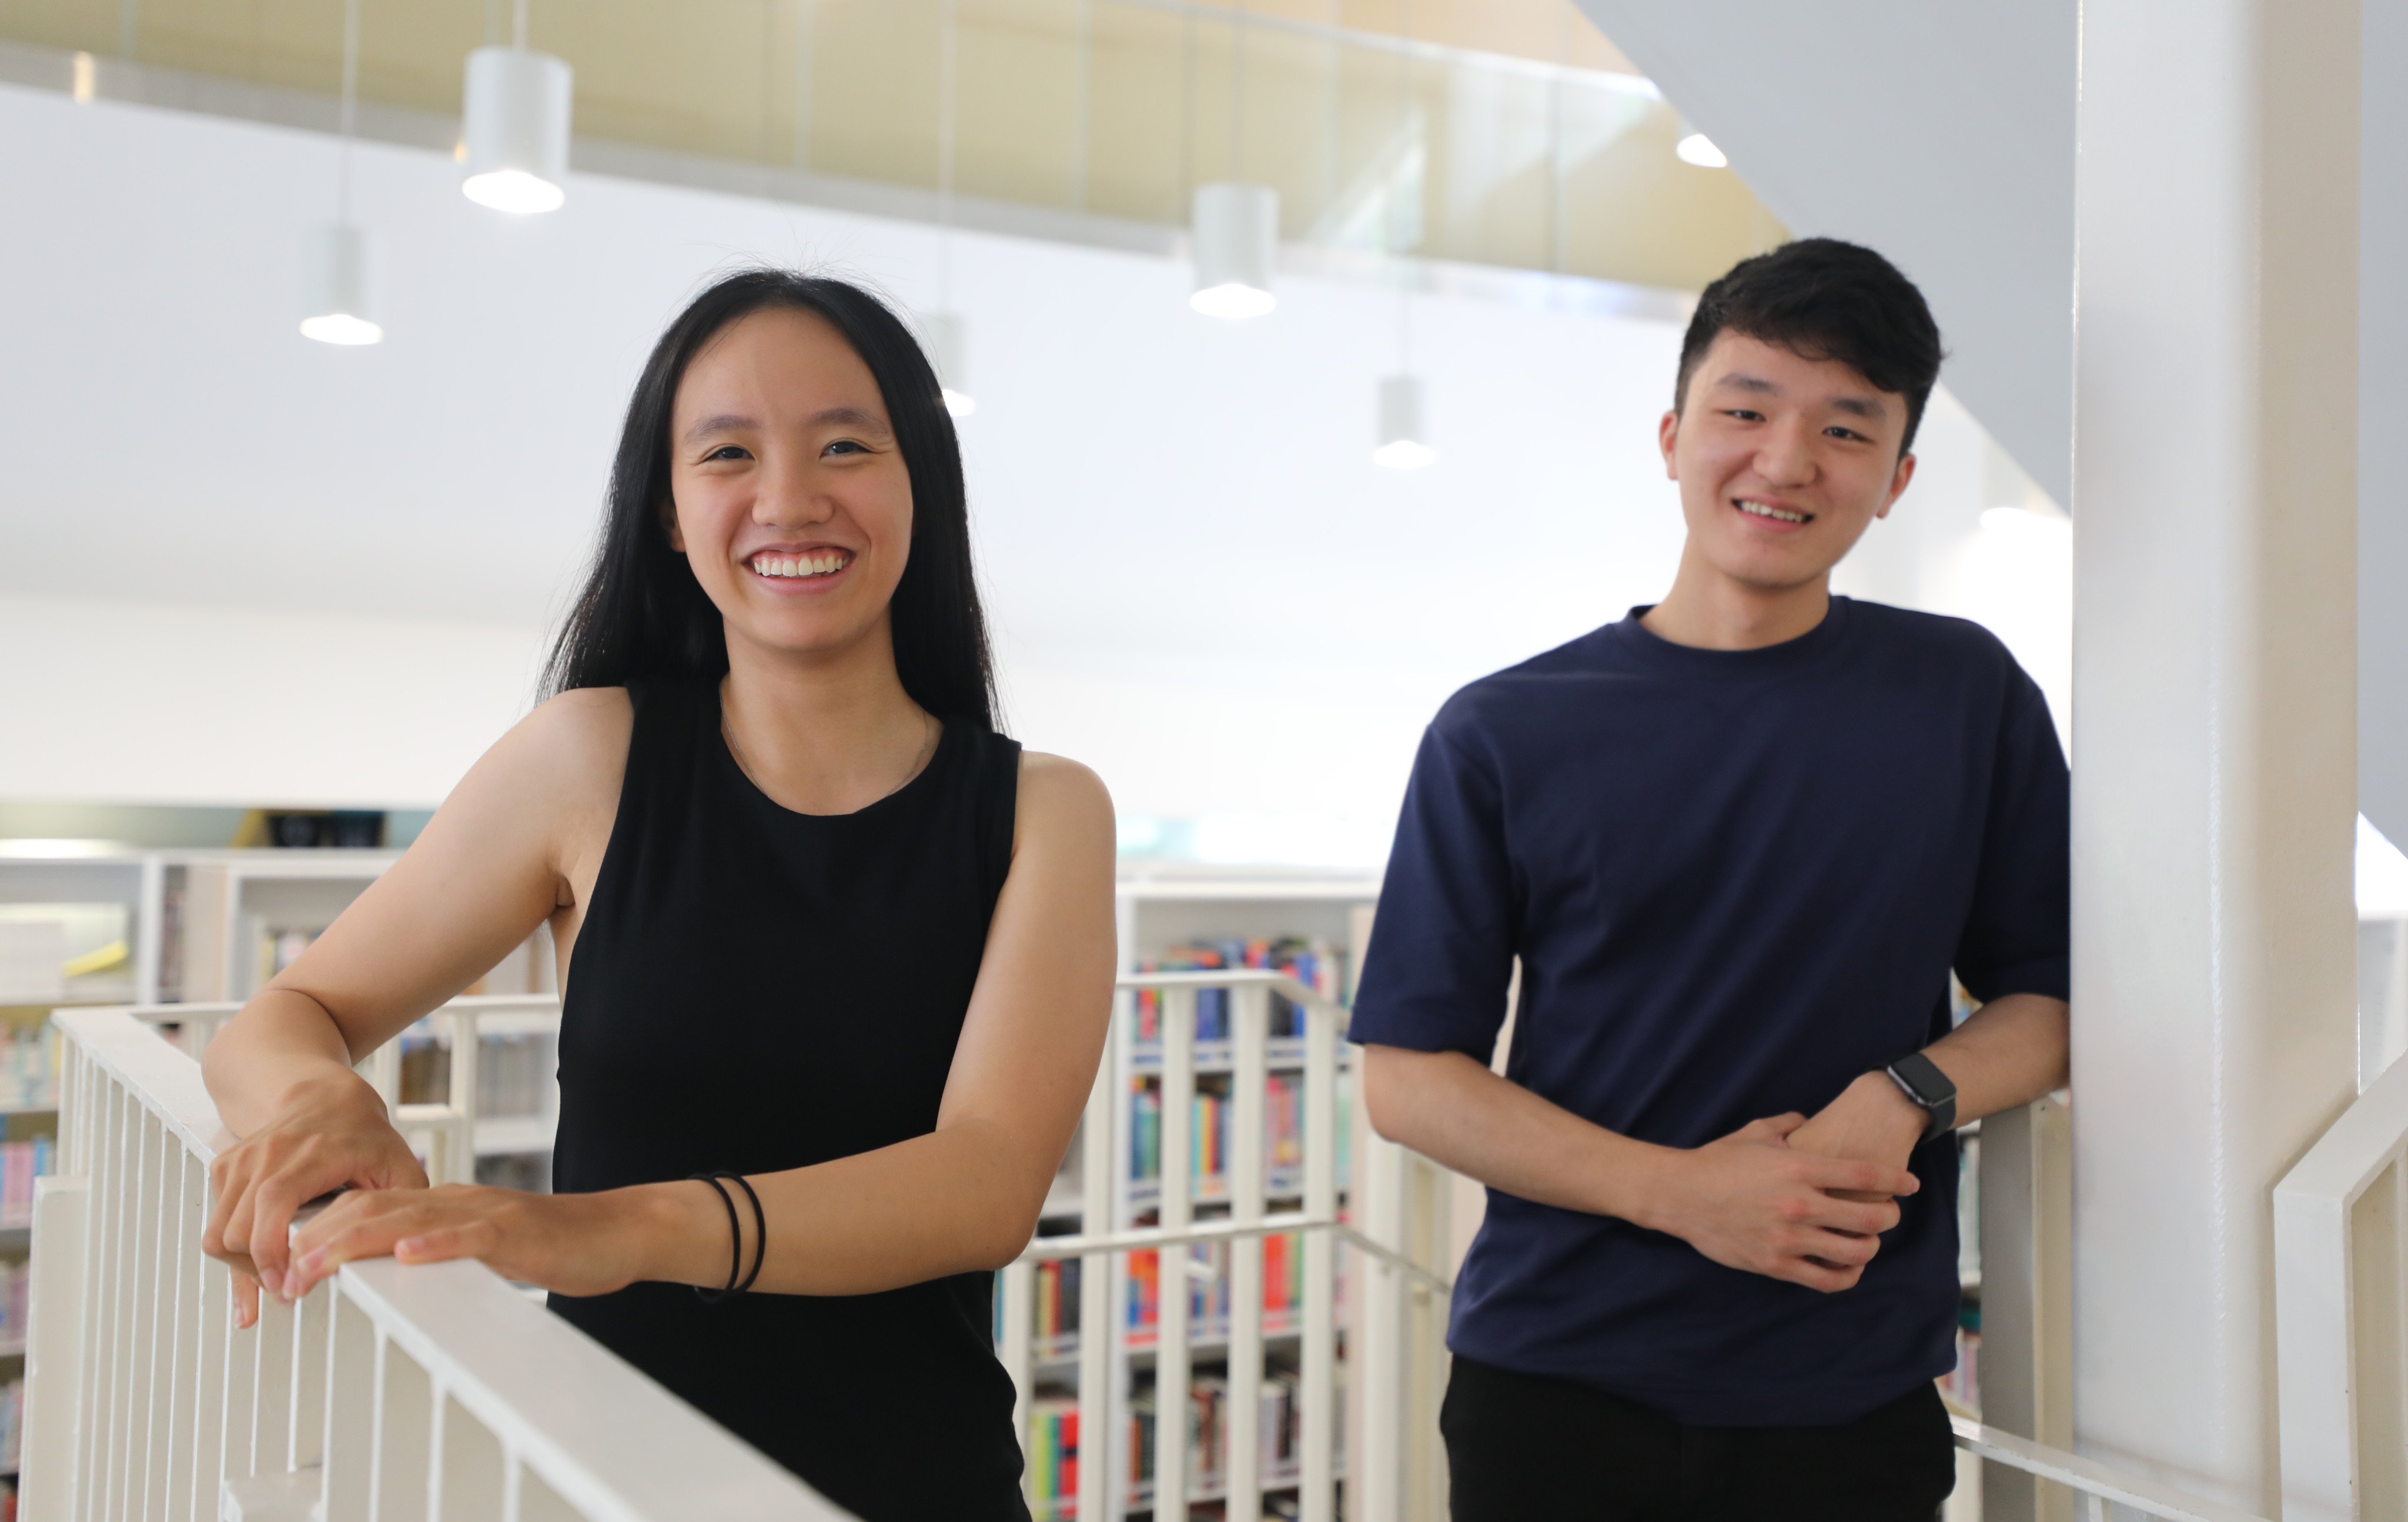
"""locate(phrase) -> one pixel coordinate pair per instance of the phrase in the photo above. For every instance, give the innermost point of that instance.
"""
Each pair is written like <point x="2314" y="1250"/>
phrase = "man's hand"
<point x="1872" y="1121"/>
<point x="1752" y="1201"/>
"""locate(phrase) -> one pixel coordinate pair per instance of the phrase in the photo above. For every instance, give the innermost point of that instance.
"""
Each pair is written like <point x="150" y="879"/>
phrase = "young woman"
<point x="823" y="932"/>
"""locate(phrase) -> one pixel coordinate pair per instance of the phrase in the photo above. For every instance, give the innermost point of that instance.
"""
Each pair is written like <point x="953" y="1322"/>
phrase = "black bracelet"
<point x="760" y="1229"/>
<point x="735" y="1239"/>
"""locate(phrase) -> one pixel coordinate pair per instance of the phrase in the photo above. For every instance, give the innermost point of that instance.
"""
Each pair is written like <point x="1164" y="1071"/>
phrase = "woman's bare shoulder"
<point x="565" y="759"/>
<point x="1061" y="797"/>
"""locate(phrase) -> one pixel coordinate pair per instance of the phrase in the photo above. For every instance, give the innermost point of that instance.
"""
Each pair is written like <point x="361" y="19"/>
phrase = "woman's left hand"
<point x="577" y="1244"/>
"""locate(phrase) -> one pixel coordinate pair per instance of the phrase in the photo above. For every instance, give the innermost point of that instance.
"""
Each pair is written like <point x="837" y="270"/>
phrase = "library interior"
<point x="1306" y="361"/>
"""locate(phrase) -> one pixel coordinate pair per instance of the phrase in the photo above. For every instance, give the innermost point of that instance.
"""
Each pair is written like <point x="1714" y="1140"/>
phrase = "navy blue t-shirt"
<point x="1736" y="879"/>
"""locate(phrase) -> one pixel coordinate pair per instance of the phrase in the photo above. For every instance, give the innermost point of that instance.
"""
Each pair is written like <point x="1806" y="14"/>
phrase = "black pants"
<point x="1527" y="1449"/>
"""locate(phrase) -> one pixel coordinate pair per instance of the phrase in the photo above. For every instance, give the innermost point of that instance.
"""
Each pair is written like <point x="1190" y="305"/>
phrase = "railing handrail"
<point x="641" y="1456"/>
<point x="1282" y="984"/>
<point x="167" y="1081"/>
<point x="2326" y="1382"/>
<point x="2089" y="1476"/>
<point x="2368" y="1136"/>
<point x="603" y="1436"/>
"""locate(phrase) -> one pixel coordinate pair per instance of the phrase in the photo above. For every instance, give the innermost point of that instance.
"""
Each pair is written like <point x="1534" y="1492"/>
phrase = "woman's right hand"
<point x="333" y="1133"/>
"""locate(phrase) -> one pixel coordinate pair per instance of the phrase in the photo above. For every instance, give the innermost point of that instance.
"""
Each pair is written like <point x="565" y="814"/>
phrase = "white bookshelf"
<point x="88" y="899"/>
<point x="1160" y="906"/>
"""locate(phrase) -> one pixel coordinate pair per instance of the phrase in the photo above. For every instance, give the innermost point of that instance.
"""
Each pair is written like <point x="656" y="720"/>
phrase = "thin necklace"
<point x="930" y="728"/>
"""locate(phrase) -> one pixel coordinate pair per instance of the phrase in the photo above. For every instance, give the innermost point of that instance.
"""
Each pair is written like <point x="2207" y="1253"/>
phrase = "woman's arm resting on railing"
<point x="1747" y="1201"/>
<point x="489" y="869"/>
<point x="963" y="1196"/>
<point x="2009" y="1052"/>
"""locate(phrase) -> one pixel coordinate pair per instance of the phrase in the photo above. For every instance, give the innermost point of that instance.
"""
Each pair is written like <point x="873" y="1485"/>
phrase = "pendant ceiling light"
<point x="944" y="331"/>
<point x="1402" y="442"/>
<point x="944" y="334"/>
<point x="1694" y="146"/>
<point x="1236" y="229"/>
<point x="1236" y="240"/>
<point x="515" y="126"/>
<point x="338" y="295"/>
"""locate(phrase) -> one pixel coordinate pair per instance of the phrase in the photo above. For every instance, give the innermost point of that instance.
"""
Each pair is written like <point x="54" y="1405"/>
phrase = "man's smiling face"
<point x="1784" y="462"/>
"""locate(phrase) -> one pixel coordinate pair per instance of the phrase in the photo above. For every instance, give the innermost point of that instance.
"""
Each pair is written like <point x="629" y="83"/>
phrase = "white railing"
<point x="475" y="1382"/>
<point x="1388" y="1450"/>
<point x="389" y="1392"/>
<point x="2341" y="1314"/>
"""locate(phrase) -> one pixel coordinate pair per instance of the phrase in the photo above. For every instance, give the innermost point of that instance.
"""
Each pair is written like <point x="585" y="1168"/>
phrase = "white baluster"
<point x="183" y="1392"/>
<point x="147" y="1477"/>
<point x="1250" y="1077"/>
<point x="56" y="1320"/>
<point x="1170" y="1358"/>
<point x="1316" y="1424"/>
<point x="1105" y="1153"/>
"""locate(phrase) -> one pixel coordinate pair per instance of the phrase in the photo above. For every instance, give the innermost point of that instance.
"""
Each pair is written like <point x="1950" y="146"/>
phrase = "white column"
<point x="2215" y="486"/>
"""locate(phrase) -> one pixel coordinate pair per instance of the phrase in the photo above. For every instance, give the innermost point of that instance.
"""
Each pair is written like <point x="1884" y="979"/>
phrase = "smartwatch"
<point x="1920" y="1079"/>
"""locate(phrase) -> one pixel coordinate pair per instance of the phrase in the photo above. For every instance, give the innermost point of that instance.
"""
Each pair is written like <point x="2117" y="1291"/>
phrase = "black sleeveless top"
<point x="757" y="989"/>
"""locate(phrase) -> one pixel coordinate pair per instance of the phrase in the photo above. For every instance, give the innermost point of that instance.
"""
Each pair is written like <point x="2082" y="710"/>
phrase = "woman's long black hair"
<point x="641" y="613"/>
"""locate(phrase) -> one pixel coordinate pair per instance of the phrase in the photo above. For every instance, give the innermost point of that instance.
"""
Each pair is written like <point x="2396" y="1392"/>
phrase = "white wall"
<point x="190" y="703"/>
<point x="240" y="566"/>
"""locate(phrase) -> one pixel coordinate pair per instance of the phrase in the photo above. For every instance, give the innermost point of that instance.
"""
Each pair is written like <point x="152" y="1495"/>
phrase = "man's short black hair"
<point x="1821" y="299"/>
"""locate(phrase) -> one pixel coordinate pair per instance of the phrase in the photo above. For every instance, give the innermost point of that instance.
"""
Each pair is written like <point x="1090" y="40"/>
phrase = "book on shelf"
<point x="1210" y="1114"/>
<point x="29" y="1067"/>
<point x="21" y="1164"/>
<point x="1054" y="1328"/>
<point x="1208" y="1290"/>
<point x="1053" y="1454"/>
<point x="1208" y="1438"/>
<point x="63" y="953"/>
<point x="16" y="1279"/>
<point x="514" y="1071"/>
<point x="1054" y="1292"/>
<point x="281" y="946"/>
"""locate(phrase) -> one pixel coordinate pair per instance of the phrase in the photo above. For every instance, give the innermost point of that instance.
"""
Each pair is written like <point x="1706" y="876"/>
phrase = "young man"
<point x="1737" y="842"/>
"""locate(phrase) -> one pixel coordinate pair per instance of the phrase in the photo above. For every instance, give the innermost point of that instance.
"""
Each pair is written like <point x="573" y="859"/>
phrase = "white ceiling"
<point x="1201" y="583"/>
<point x="1140" y="474"/>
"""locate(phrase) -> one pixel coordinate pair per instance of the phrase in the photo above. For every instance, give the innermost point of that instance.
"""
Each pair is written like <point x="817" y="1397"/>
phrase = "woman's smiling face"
<point x="788" y="494"/>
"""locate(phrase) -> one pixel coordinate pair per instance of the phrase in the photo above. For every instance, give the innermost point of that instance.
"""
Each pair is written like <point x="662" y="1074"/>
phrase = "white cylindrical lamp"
<point x="1237" y="242"/>
<point x="946" y="337"/>
<point x="338" y="285"/>
<point x="1694" y="146"/>
<point x="514" y="125"/>
<point x="1404" y="438"/>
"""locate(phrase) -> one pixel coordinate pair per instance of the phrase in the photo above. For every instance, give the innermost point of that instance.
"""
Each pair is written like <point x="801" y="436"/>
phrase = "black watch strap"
<point x="1920" y="1079"/>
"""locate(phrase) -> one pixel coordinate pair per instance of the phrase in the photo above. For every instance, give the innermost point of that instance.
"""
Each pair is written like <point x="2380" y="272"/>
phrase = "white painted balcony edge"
<point x="2341" y="1314"/>
<point x="2360" y="1151"/>
<point x="389" y="1392"/>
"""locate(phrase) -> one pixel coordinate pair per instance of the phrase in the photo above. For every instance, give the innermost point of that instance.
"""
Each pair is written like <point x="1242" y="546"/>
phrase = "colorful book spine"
<point x="1053" y="1456"/>
<point x="1209" y="1115"/>
<point x="1208" y="1436"/>
<point x="21" y="1164"/>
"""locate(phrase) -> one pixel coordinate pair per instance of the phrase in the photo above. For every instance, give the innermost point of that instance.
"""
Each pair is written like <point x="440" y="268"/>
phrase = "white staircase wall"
<point x="2382" y="402"/>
